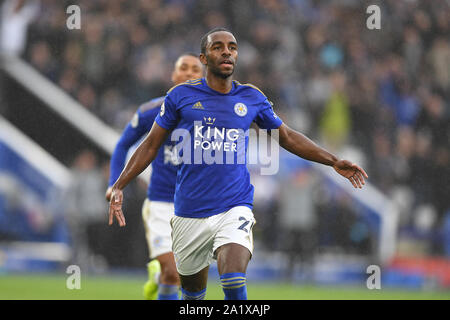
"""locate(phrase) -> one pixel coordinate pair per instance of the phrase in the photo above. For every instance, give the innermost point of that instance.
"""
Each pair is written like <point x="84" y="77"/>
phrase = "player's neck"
<point x="219" y="84"/>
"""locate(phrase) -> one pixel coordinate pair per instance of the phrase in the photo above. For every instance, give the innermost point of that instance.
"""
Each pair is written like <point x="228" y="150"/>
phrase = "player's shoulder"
<point x="151" y="105"/>
<point x="182" y="87"/>
<point x="250" y="89"/>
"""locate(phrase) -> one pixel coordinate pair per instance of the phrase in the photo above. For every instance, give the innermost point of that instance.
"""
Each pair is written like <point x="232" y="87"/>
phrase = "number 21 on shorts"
<point x="245" y="223"/>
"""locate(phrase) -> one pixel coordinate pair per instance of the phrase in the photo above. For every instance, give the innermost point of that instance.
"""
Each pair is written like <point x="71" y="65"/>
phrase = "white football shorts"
<point x="195" y="240"/>
<point x="156" y="216"/>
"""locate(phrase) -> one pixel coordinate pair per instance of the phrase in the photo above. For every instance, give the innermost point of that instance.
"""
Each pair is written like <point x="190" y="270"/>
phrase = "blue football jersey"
<point x="164" y="170"/>
<point x="211" y="132"/>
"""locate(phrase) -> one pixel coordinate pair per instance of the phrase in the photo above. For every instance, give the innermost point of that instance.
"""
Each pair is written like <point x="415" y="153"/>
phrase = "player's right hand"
<point x="108" y="194"/>
<point x="115" y="207"/>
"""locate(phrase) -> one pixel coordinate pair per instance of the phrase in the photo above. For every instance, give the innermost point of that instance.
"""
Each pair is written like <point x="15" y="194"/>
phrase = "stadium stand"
<point x="381" y="97"/>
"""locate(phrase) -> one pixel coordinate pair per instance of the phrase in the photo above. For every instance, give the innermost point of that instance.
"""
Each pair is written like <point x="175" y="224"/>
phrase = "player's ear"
<point x="202" y="58"/>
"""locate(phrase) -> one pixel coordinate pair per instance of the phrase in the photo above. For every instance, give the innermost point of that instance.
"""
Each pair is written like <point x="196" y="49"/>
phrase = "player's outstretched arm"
<point x="303" y="147"/>
<point x="129" y="137"/>
<point x="141" y="159"/>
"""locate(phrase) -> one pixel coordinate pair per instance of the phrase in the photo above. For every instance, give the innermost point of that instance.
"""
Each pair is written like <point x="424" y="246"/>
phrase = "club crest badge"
<point x="240" y="109"/>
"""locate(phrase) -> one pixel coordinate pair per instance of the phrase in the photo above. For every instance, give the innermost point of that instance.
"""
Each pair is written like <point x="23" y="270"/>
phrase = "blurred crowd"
<point x="383" y="94"/>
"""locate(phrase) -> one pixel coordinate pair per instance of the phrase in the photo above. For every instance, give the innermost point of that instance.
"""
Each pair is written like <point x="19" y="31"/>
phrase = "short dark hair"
<point x="191" y="54"/>
<point x="204" y="40"/>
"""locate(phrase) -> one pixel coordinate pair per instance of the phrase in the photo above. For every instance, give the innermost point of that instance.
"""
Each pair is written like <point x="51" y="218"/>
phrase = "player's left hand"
<point x="115" y="207"/>
<point x="355" y="174"/>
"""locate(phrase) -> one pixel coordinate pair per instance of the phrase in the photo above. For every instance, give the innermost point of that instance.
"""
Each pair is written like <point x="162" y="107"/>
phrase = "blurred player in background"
<point x="213" y="201"/>
<point x="158" y="208"/>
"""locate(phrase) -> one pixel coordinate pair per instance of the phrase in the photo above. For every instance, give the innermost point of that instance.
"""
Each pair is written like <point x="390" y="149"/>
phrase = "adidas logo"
<point x="198" y="105"/>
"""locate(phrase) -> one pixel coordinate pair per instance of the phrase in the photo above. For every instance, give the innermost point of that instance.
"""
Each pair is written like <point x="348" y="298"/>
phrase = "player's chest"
<point x="223" y="111"/>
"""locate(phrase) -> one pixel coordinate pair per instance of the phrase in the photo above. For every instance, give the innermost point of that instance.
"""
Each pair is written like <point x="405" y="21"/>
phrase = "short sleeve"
<point x="147" y="118"/>
<point x="267" y="118"/>
<point x="167" y="117"/>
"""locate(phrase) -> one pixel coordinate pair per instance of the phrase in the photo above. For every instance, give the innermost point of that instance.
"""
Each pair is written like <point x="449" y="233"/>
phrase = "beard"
<point x="222" y="74"/>
<point x="217" y="72"/>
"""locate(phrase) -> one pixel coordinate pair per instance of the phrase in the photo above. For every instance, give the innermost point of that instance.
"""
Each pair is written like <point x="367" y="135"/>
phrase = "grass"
<point x="113" y="287"/>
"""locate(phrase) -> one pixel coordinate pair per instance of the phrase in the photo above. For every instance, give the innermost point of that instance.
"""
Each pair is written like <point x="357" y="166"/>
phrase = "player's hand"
<point x="108" y="194"/>
<point x="115" y="207"/>
<point x="352" y="172"/>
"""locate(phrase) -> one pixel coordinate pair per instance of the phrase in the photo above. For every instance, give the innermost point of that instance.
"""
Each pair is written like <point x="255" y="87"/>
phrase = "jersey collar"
<point x="217" y="92"/>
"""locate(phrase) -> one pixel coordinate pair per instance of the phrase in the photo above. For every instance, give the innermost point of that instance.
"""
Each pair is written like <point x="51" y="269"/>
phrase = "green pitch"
<point x="53" y="287"/>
